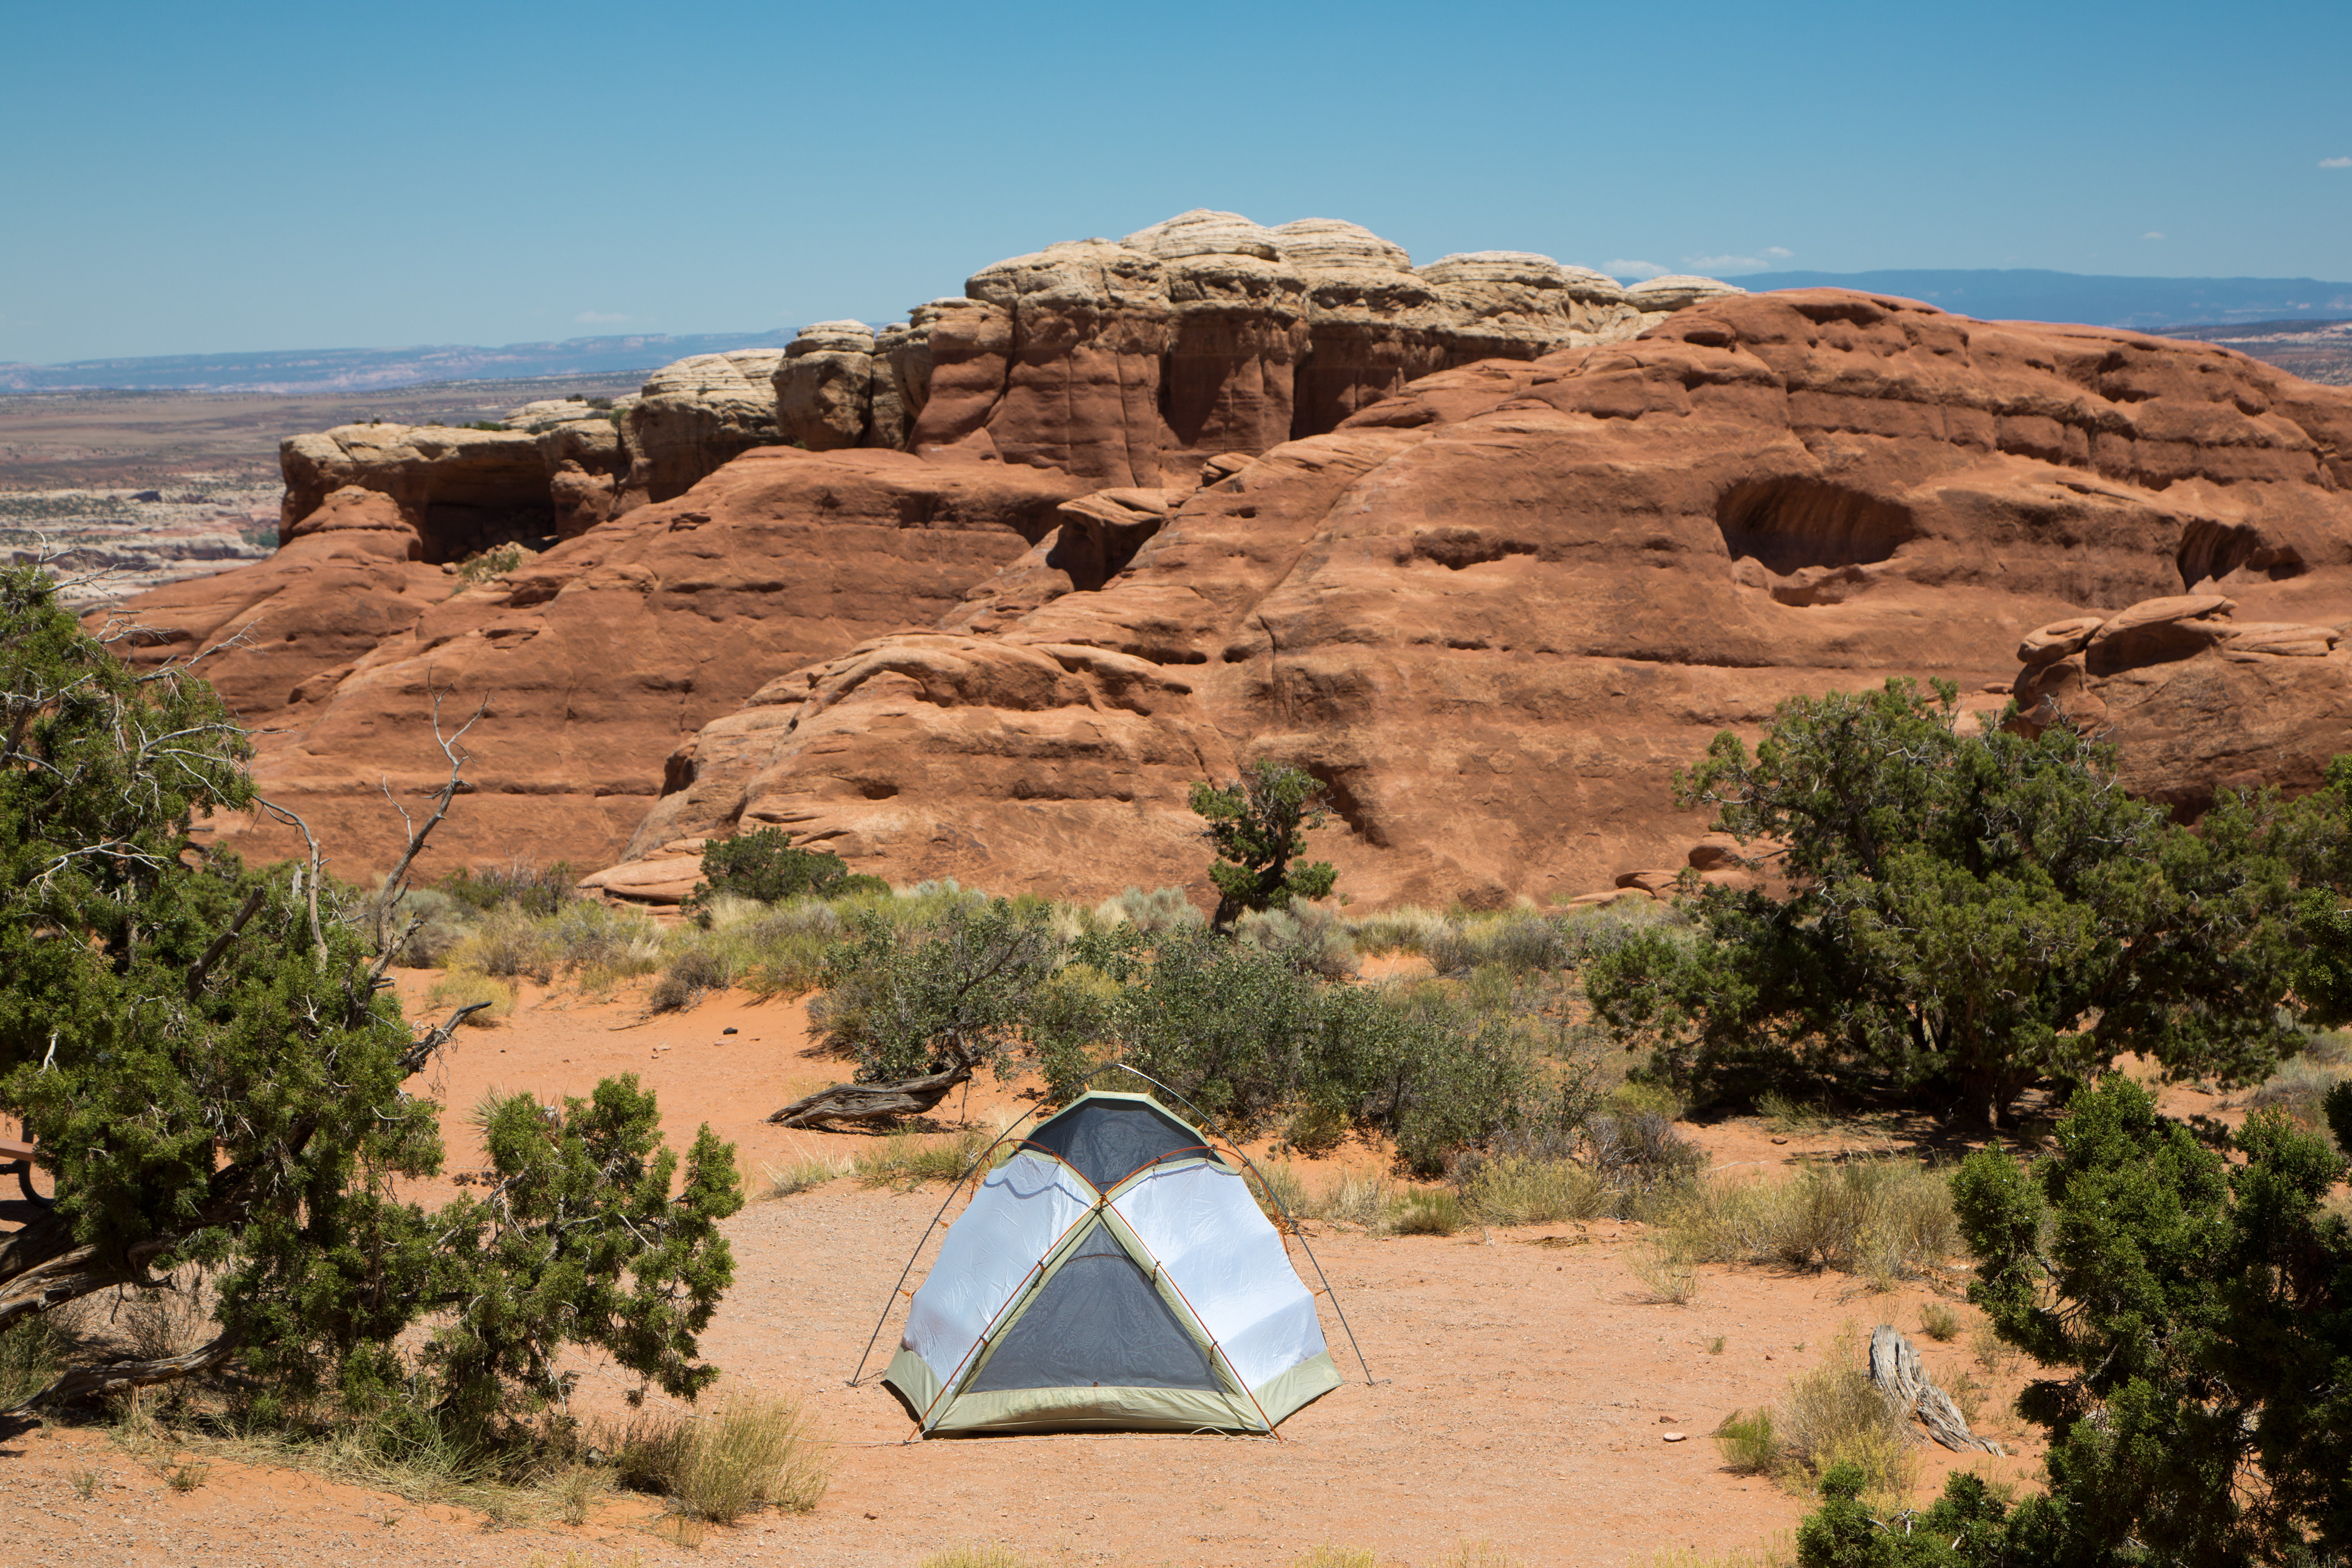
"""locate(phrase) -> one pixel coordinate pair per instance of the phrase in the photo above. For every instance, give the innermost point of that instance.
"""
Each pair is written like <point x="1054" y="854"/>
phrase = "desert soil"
<point x="1522" y="1386"/>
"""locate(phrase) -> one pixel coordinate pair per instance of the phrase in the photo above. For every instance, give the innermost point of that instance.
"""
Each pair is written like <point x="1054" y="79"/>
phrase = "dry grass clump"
<point x="1329" y="1556"/>
<point x="806" y="1172"/>
<point x="1427" y="1213"/>
<point x="1835" y="1415"/>
<point x="995" y="1555"/>
<point x="1939" y="1322"/>
<point x="1308" y="936"/>
<point x="1667" y="1273"/>
<point x="1884" y="1219"/>
<point x="908" y="1158"/>
<point x="1162" y="909"/>
<point x="1281" y="1191"/>
<point x="1792" y="1118"/>
<point x="1625" y="1164"/>
<point x="461" y="988"/>
<point x="1520" y="1189"/>
<point x="752" y="1452"/>
<point x="1404" y="929"/>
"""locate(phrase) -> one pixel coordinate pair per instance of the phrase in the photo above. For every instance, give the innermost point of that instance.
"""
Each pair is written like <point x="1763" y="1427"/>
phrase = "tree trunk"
<point x="872" y="1102"/>
<point x="1895" y="1368"/>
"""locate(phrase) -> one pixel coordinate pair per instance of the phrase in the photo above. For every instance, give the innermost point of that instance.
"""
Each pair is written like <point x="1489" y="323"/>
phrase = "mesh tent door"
<point x="1097" y="1323"/>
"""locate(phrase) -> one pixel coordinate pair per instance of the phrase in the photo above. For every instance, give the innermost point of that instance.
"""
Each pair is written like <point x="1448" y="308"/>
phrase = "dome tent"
<point x="1113" y="1274"/>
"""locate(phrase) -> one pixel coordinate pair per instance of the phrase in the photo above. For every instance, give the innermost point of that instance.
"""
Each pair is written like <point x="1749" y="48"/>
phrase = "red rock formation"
<point x="265" y="634"/>
<point x="596" y="658"/>
<point x="1496" y="611"/>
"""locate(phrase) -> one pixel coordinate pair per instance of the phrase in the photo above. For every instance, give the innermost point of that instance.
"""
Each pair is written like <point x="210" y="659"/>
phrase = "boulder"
<point x="2046" y="645"/>
<point x="1677" y="291"/>
<point x="2172" y="627"/>
<point x="693" y="416"/>
<point x="825" y="387"/>
<point x="460" y="490"/>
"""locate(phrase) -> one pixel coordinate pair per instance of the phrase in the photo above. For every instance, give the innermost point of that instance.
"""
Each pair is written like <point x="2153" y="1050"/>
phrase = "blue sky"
<point x="189" y="180"/>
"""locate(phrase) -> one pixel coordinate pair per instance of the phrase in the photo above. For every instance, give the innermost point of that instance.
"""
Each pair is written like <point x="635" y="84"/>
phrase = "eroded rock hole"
<point x="1788" y="525"/>
<point x="2210" y="551"/>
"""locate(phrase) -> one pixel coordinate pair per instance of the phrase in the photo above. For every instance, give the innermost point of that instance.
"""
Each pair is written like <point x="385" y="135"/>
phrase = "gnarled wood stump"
<point x="871" y="1101"/>
<point x="1895" y="1368"/>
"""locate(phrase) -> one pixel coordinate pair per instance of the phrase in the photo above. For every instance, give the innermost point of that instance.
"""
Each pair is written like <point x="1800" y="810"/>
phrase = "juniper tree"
<point x="1966" y="914"/>
<point x="1258" y="825"/>
<point x="216" y="1078"/>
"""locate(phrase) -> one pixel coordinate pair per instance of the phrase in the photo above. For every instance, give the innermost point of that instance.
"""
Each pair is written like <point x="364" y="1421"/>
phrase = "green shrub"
<point x="527" y="886"/>
<point x="32" y="1354"/>
<point x="442" y="923"/>
<point x="498" y="561"/>
<point x="762" y="865"/>
<point x="1747" y="1443"/>
<point x="1968" y="914"/>
<point x="691" y="975"/>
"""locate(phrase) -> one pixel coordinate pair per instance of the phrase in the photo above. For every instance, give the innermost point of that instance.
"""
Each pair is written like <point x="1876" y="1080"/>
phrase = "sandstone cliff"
<point x="1496" y="611"/>
<point x="595" y="659"/>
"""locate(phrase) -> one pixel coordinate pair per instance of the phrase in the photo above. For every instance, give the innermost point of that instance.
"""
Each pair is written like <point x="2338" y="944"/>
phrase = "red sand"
<point x="1522" y="1386"/>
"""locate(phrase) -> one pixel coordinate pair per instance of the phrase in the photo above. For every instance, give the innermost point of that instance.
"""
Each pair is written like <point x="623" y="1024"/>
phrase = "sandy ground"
<point x="1521" y="1385"/>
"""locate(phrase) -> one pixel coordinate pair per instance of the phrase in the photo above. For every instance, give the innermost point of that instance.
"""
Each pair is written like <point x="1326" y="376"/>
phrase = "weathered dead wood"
<point x="1896" y="1369"/>
<point x="115" y="1376"/>
<point x="872" y="1102"/>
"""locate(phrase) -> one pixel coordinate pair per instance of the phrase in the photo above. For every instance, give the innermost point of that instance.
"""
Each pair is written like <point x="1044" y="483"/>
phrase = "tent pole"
<point x="924" y="1240"/>
<point x="1270" y="1193"/>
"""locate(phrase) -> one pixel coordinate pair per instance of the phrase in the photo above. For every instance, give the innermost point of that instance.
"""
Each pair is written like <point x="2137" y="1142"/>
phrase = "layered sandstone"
<point x="1123" y="362"/>
<point x="591" y="662"/>
<point x="1495" y="612"/>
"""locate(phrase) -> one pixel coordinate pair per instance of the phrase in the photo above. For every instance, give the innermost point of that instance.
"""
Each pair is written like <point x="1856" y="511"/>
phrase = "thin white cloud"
<point x="2153" y="234"/>
<point x="1721" y="266"/>
<point x="599" y="317"/>
<point x="1635" y="269"/>
<point x="1779" y="252"/>
<point x="2336" y="162"/>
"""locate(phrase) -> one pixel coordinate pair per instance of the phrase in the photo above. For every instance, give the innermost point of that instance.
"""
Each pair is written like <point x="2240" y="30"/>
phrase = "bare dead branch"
<point x="414" y="1059"/>
<point x="396" y="882"/>
<point x="220" y="944"/>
